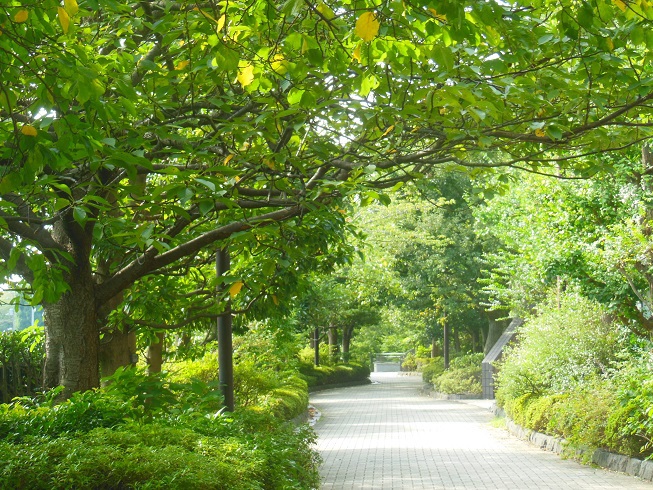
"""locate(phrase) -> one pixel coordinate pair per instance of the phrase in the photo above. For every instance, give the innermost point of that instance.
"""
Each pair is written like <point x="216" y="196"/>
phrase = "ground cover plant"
<point x="577" y="374"/>
<point x="145" y="431"/>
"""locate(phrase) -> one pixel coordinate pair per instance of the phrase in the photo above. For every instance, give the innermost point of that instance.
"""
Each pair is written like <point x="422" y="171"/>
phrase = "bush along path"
<point x="387" y="436"/>
<point x="157" y="433"/>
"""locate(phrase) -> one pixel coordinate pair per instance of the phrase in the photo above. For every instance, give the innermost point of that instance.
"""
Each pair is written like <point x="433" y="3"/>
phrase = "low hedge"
<point x="463" y="376"/>
<point x="222" y="453"/>
<point x="433" y="370"/>
<point x="593" y="417"/>
<point x="283" y="394"/>
<point x="178" y="439"/>
<point x="327" y="375"/>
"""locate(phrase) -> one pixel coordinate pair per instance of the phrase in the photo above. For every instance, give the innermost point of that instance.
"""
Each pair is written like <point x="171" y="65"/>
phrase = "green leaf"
<point x="79" y="215"/>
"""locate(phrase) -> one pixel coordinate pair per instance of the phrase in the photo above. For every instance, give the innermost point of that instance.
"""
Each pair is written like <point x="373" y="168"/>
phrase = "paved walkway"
<point x="387" y="436"/>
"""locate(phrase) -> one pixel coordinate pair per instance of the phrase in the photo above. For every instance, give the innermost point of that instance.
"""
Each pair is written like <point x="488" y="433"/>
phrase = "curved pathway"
<point x="387" y="436"/>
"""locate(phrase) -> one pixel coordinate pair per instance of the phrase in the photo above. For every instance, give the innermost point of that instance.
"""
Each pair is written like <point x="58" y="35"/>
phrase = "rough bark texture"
<point x="347" y="333"/>
<point x="72" y="338"/>
<point x="333" y="342"/>
<point x="435" y="348"/>
<point x="117" y="349"/>
<point x="155" y="354"/>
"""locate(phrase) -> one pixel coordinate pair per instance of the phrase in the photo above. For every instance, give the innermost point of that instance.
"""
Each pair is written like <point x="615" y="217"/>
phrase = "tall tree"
<point x="136" y="136"/>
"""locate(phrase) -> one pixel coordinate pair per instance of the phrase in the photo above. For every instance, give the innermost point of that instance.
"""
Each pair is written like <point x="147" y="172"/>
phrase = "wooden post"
<point x="225" y="338"/>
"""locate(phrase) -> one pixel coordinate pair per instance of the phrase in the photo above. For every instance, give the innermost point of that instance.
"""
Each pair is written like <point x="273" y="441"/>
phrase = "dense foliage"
<point x="152" y="432"/>
<point x="136" y="138"/>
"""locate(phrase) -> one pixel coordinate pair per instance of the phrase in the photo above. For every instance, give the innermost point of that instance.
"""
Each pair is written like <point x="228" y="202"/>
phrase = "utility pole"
<point x="225" y="336"/>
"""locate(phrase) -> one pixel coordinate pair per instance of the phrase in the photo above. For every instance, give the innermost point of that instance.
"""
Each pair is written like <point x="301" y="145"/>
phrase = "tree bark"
<point x="456" y="340"/>
<point x="347" y="333"/>
<point x="435" y="350"/>
<point x="72" y="338"/>
<point x="155" y="354"/>
<point x="117" y="349"/>
<point x="332" y="333"/>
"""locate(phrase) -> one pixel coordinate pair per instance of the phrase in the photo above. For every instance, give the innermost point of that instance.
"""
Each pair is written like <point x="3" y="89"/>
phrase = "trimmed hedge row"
<point x="317" y="376"/>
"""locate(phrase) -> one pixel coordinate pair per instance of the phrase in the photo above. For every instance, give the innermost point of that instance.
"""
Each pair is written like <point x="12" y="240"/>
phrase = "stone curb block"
<point x="600" y="457"/>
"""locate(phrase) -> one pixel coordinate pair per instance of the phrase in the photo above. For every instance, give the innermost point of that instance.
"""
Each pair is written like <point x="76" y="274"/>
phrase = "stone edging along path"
<point x="605" y="459"/>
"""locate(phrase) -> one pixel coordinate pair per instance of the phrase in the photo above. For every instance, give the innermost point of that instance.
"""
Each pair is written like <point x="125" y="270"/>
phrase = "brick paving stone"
<point x="387" y="436"/>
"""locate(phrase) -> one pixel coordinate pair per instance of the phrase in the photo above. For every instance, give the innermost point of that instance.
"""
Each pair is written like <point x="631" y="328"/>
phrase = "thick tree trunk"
<point x="117" y="349"/>
<point x="456" y="340"/>
<point x="475" y="340"/>
<point x="435" y="349"/>
<point x="72" y="338"/>
<point x="155" y="354"/>
<point x="347" y="333"/>
<point x="333" y="342"/>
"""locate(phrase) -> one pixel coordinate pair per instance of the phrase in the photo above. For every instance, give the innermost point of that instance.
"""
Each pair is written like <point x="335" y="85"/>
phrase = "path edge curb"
<point x="600" y="457"/>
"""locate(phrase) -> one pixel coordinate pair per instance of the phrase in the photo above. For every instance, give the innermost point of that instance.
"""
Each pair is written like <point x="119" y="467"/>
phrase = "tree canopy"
<point x="136" y="137"/>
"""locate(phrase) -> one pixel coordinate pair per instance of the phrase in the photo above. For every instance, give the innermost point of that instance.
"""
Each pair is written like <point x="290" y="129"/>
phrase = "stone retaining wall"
<point x="605" y="459"/>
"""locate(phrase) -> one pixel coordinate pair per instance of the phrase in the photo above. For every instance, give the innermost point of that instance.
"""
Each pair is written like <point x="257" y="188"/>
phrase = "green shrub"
<point x="434" y="369"/>
<point x="460" y="381"/>
<point x="413" y="363"/>
<point x="282" y="393"/>
<point x="107" y="439"/>
<point x="290" y="400"/>
<point x="467" y="361"/>
<point x="326" y="375"/>
<point x="567" y="343"/>
<point x="462" y="377"/>
<point x="630" y="425"/>
<point x="203" y="369"/>
<point x="154" y="456"/>
<point x="21" y="362"/>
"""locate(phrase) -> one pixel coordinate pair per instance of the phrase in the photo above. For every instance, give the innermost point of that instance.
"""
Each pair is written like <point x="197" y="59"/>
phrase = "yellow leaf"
<point x="442" y="111"/>
<point x="326" y="12"/>
<point x="269" y="163"/>
<point x="440" y="17"/>
<point x="64" y="19"/>
<point x="357" y="54"/>
<point x="28" y="130"/>
<point x="71" y="7"/>
<point x="620" y="4"/>
<point x="279" y="64"/>
<point x="228" y="158"/>
<point x="21" y="16"/>
<point x="539" y="133"/>
<point x="221" y="22"/>
<point x="245" y="73"/>
<point x="235" y="289"/>
<point x="609" y="43"/>
<point x="275" y="300"/>
<point x="390" y="128"/>
<point x="182" y="64"/>
<point x="367" y="27"/>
